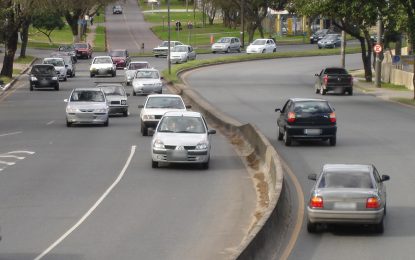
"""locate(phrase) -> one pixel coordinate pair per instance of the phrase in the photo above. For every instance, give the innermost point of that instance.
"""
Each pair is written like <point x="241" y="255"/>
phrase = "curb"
<point x="15" y="79"/>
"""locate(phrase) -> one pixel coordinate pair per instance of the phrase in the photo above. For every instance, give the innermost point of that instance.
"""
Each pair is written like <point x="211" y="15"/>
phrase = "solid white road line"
<point x="11" y="156"/>
<point x="89" y="212"/>
<point x="50" y="122"/>
<point x="28" y="152"/>
<point x="7" y="163"/>
<point x="12" y="133"/>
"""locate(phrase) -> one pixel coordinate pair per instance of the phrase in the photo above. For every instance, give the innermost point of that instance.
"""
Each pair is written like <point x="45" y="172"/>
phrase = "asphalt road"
<point x="369" y="131"/>
<point x="51" y="176"/>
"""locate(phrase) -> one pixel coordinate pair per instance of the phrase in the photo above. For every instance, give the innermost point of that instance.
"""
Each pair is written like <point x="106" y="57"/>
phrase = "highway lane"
<point x="166" y="213"/>
<point x="370" y="131"/>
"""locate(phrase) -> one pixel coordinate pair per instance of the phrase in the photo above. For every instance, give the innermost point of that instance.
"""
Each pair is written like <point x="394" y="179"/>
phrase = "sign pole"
<point x="378" y="64"/>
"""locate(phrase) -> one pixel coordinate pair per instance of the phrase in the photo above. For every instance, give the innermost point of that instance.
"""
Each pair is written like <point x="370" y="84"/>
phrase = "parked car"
<point x="116" y="98"/>
<point x="162" y="49"/>
<point x="117" y="9"/>
<point x="227" y="44"/>
<point x="131" y="68"/>
<point x="262" y="46"/>
<point x="307" y="119"/>
<point x="147" y="81"/>
<point x="43" y="76"/>
<point x="102" y="65"/>
<point x="330" y="41"/>
<point x="69" y="49"/>
<point x="87" y="106"/>
<point x="318" y="35"/>
<point x="120" y="57"/>
<point x="69" y="64"/>
<point x="182" y="53"/>
<point x="83" y="50"/>
<point x="154" y="108"/>
<point x="347" y="194"/>
<point x="59" y="65"/>
<point x="334" y="78"/>
<point x="181" y="137"/>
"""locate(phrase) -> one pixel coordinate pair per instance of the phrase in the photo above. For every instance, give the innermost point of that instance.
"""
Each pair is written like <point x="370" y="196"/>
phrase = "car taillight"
<point x="332" y="117"/>
<point x="325" y="79"/>
<point x="291" y="117"/>
<point x="316" y="202"/>
<point x="372" y="203"/>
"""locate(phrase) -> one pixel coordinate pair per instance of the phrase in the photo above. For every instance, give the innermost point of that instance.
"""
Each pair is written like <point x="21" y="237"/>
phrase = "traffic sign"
<point x="377" y="48"/>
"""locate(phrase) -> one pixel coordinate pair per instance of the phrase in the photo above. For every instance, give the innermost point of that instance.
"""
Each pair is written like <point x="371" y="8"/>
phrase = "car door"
<point x="192" y="53"/>
<point x="319" y="79"/>
<point x="282" y="119"/>
<point x="232" y="44"/>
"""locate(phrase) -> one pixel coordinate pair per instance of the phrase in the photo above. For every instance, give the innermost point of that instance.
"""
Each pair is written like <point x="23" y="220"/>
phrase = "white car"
<point x="154" y="108"/>
<point x="117" y="98"/>
<point x="147" y="81"/>
<point x="182" y="53"/>
<point x="262" y="46"/>
<point x="132" y="67"/>
<point x="59" y="65"/>
<point x="181" y="137"/>
<point x="162" y="49"/>
<point x="102" y="65"/>
<point x="227" y="44"/>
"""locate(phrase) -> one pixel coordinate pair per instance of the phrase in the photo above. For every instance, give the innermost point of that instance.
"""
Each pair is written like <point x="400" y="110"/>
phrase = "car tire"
<point x="134" y="94"/>
<point x="144" y="130"/>
<point x="333" y="141"/>
<point x="228" y="50"/>
<point x="154" y="164"/>
<point x="263" y="51"/>
<point x="322" y="90"/>
<point x="379" y="228"/>
<point x="205" y="165"/>
<point x="65" y="78"/>
<point x="125" y="114"/>
<point x="31" y="88"/>
<point x="91" y="75"/>
<point x="114" y="74"/>
<point x="319" y="47"/>
<point x="68" y="124"/>
<point x="274" y="50"/>
<point x="317" y="90"/>
<point x="350" y="91"/>
<point x="106" y="123"/>
<point x="280" y="135"/>
<point x="57" y="88"/>
<point x="239" y="50"/>
<point x="312" y="227"/>
<point x="286" y="138"/>
<point x="213" y="52"/>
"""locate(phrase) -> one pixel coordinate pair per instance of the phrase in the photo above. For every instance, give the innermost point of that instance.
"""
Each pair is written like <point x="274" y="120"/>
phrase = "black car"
<point x="43" y="76"/>
<point x="334" y="79"/>
<point x="307" y="119"/>
<point x="117" y="9"/>
<point x="318" y="35"/>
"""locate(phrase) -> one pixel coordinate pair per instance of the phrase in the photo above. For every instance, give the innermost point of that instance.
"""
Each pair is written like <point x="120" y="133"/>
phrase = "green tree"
<point x="46" y="22"/>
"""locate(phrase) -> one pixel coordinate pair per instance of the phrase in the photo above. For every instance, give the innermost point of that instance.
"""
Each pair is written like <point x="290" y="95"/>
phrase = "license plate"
<point x="312" y="131"/>
<point x="345" y="205"/>
<point x="177" y="155"/>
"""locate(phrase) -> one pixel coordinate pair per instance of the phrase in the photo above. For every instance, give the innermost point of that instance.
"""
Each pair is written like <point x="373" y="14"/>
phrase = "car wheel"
<point x="333" y="141"/>
<point x="65" y="78"/>
<point x="154" y="164"/>
<point x="280" y="135"/>
<point x="114" y="74"/>
<point x="125" y="114"/>
<point x="263" y="51"/>
<point x="68" y="124"/>
<point x="31" y="88"/>
<point x="91" y="75"/>
<point x="350" y="91"/>
<point x="286" y="138"/>
<point x="213" y="52"/>
<point x="319" y="47"/>
<point x="274" y="50"/>
<point x="144" y="130"/>
<point x="106" y="122"/>
<point x="134" y="94"/>
<point x="228" y="50"/>
<point x="205" y="165"/>
<point x="312" y="227"/>
<point x="379" y="228"/>
<point x="322" y="90"/>
<point x="57" y="88"/>
<point x="317" y="90"/>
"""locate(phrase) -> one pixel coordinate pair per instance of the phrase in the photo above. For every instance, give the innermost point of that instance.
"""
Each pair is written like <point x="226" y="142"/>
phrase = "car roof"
<point x="103" y="56"/>
<point x="53" y="58"/>
<point x="138" y="62"/>
<point x="183" y="113"/>
<point x="347" y="167"/>
<point x="148" y="69"/>
<point x="307" y="99"/>
<point x="100" y="85"/>
<point x="118" y="50"/>
<point x="163" y="95"/>
<point x="87" y="89"/>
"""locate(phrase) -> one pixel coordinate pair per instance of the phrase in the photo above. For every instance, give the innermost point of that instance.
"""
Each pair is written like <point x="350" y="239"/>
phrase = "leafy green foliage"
<point x="46" y="22"/>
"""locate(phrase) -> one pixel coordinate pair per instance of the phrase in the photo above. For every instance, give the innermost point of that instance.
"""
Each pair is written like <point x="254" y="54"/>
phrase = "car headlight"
<point x="202" y="146"/>
<point x="158" y="144"/>
<point x="149" y="117"/>
<point x="71" y="110"/>
<point x="101" y="110"/>
<point x="129" y="77"/>
<point x="123" y="102"/>
<point x="54" y="78"/>
<point x="159" y="84"/>
<point x="33" y="78"/>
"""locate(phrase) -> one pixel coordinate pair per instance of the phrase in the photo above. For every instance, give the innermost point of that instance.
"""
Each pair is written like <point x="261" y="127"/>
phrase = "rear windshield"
<point x="165" y="102"/>
<point x="113" y="91"/>
<point x="43" y="70"/>
<point x="340" y="179"/>
<point x="117" y="53"/>
<point x="81" y="45"/>
<point x="54" y="62"/>
<point x="336" y="71"/>
<point x="312" y="107"/>
<point x="136" y="66"/>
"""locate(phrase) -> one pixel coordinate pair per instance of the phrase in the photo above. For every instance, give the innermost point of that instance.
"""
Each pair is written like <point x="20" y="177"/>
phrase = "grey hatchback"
<point x="347" y="194"/>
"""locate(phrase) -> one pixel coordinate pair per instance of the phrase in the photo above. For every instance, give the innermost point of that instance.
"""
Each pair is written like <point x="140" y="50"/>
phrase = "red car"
<point x="120" y="57"/>
<point x="83" y="50"/>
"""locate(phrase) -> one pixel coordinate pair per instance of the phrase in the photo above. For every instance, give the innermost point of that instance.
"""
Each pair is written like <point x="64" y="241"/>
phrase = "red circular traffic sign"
<point x="377" y="48"/>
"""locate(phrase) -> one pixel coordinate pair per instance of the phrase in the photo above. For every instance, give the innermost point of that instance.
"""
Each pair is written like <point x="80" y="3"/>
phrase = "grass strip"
<point x="26" y="60"/>
<point x="99" y="41"/>
<point x="406" y="101"/>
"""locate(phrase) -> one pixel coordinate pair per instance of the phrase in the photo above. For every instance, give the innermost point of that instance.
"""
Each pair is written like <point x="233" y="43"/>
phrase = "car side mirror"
<point x="211" y="131"/>
<point x="385" y="178"/>
<point x="188" y="106"/>
<point x="278" y="110"/>
<point x="140" y="106"/>
<point x="161" y="77"/>
<point x="312" y="177"/>
<point x="65" y="100"/>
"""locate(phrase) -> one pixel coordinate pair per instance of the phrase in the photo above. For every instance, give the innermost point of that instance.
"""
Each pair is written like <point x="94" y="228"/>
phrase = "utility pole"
<point x="343" y="50"/>
<point x="378" y="64"/>
<point x="242" y="23"/>
<point x="169" y="36"/>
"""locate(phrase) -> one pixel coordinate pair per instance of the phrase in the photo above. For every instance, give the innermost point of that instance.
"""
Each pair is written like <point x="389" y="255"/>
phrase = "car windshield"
<point x="136" y="66"/>
<point x="104" y="60"/>
<point x="43" y="70"/>
<point x="224" y="40"/>
<point x="81" y="45"/>
<point x="181" y="124"/>
<point x="345" y="179"/>
<point x="336" y="71"/>
<point x="180" y="48"/>
<point x="87" y="96"/>
<point x="113" y="90"/>
<point x="165" y="102"/>
<point x="330" y="37"/>
<point x="259" y="42"/>
<point x="117" y="53"/>
<point x="66" y="48"/>
<point x="313" y="107"/>
<point x="54" y="62"/>
<point x="147" y="74"/>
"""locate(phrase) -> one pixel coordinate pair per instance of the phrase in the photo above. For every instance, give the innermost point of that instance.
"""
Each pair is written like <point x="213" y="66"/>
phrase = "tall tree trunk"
<point x="72" y="19"/>
<point x="25" y="36"/>
<point x="10" y="51"/>
<point x="366" y="58"/>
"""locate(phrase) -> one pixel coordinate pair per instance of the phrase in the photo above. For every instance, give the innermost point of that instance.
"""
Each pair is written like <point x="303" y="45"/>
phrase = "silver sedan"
<point x="347" y="194"/>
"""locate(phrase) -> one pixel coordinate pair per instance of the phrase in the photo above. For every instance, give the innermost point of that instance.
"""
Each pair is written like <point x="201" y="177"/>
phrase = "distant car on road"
<point x="43" y="76"/>
<point x="154" y="108"/>
<point x="117" y="98"/>
<point x="162" y="49"/>
<point x="102" y="65"/>
<point x="227" y="44"/>
<point x="347" y="194"/>
<point x="330" y="41"/>
<point x="83" y="50"/>
<point x="318" y="35"/>
<point x="69" y="49"/>
<point x="87" y="106"/>
<point x="131" y="69"/>
<point x="334" y="78"/>
<point x="147" y="81"/>
<point x="307" y="119"/>
<point x="182" y="53"/>
<point x="262" y="46"/>
<point x="120" y="57"/>
<point x="117" y="9"/>
<point x="181" y="137"/>
<point x="59" y="64"/>
<point x="69" y="64"/>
